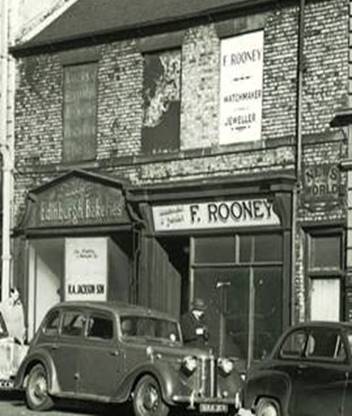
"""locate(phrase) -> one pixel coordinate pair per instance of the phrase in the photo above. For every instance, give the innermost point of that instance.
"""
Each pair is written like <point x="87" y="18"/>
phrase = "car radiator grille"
<point x="207" y="376"/>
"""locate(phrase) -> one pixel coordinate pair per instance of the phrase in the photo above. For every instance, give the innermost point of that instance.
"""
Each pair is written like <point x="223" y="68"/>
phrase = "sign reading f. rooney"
<point x="241" y="86"/>
<point x="207" y="215"/>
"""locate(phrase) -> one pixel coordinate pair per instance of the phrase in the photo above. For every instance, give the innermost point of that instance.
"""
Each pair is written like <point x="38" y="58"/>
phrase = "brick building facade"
<point x="198" y="213"/>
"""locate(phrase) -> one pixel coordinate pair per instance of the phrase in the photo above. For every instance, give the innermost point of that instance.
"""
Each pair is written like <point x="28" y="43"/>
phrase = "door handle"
<point x="54" y="347"/>
<point x="114" y="353"/>
<point x="301" y="367"/>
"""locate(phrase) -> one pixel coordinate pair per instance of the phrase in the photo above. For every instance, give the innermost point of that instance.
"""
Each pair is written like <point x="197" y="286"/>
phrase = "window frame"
<point x="328" y="273"/>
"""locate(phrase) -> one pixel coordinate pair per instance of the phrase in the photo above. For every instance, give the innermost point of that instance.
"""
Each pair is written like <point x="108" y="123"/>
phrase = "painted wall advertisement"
<point x="86" y="269"/>
<point x="210" y="215"/>
<point x="241" y="88"/>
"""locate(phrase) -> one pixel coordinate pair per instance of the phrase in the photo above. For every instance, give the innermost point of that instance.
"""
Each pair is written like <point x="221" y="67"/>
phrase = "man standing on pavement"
<point x="193" y="323"/>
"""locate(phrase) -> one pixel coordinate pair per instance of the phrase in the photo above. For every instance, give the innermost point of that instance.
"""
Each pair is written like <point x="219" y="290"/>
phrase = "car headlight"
<point x="226" y="365"/>
<point x="189" y="364"/>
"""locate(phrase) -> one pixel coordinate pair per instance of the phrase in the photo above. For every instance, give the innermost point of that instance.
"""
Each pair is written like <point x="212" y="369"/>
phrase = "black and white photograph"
<point x="176" y="207"/>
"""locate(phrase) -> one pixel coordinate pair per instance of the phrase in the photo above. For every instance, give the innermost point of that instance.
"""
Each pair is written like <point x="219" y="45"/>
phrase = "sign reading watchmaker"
<point x="241" y="87"/>
<point x="210" y="215"/>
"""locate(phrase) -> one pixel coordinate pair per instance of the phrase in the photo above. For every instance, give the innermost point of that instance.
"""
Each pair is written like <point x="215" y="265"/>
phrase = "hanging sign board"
<point x="86" y="269"/>
<point x="210" y="215"/>
<point x="241" y="88"/>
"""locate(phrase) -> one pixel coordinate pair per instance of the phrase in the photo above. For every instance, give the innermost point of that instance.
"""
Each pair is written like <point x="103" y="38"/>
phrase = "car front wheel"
<point x="267" y="407"/>
<point x="147" y="398"/>
<point x="37" y="395"/>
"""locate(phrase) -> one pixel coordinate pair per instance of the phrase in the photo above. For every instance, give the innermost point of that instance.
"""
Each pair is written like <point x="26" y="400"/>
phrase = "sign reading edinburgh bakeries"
<point x="76" y="199"/>
<point x="210" y="215"/>
<point x="241" y="86"/>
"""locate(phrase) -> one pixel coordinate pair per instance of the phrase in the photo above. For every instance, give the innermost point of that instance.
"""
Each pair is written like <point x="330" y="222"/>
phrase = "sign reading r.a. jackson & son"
<point x="78" y="202"/>
<point x="210" y="215"/>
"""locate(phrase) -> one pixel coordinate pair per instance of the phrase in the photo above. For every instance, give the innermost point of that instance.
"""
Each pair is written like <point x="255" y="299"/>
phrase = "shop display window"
<point x="241" y="279"/>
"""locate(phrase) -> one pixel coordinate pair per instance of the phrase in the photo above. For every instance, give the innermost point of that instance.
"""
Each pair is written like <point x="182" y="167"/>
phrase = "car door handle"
<point x="114" y="353"/>
<point x="54" y="347"/>
<point x="301" y="367"/>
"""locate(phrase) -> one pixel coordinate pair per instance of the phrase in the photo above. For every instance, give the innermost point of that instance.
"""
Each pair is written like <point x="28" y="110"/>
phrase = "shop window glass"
<point x="52" y="324"/>
<point x="326" y="251"/>
<point x="267" y="309"/>
<point x="245" y="248"/>
<point x="100" y="328"/>
<point x="73" y="324"/>
<point x="215" y="250"/>
<point x="268" y="247"/>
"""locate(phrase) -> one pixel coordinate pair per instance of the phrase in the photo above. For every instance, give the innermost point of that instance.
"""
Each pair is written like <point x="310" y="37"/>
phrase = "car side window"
<point x="73" y="323"/>
<point x="325" y="344"/>
<point x="100" y="328"/>
<point x="51" y="326"/>
<point x="293" y="345"/>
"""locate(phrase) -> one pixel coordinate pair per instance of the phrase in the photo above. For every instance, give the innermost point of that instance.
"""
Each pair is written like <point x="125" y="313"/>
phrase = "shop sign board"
<point x="214" y="214"/>
<point x="321" y="182"/>
<point x="86" y="269"/>
<point x="78" y="201"/>
<point x="241" y="88"/>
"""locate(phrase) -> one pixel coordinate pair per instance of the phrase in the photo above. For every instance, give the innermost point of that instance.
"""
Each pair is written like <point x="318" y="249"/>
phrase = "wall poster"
<point x="86" y="269"/>
<point x="241" y="88"/>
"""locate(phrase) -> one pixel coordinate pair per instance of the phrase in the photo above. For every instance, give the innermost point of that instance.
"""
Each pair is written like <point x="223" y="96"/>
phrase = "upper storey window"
<point x="241" y="87"/>
<point x="80" y="112"/>
<point x="161" y="99"/>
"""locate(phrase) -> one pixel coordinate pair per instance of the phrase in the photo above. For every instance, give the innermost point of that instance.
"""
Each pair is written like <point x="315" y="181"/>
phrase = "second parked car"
<point x="309" y="373"/>
<point x="115" y="353"/>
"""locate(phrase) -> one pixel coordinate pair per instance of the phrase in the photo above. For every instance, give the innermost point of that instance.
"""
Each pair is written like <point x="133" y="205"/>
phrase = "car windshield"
<point x="151" y="328"/>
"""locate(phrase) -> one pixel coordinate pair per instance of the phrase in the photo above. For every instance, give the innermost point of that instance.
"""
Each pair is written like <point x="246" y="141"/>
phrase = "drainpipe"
<point x="298" y="150"/>
<point x="5" y="152"/>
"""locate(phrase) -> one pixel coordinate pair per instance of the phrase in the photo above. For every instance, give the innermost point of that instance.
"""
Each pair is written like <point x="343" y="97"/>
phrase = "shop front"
<point x="229" y="244"/>
<point x="79" y="244"/>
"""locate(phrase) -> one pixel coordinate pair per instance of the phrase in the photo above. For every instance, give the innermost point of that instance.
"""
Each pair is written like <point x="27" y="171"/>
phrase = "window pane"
<point x="325" y="299"/>
<point x="231" y="300"/>
<point x="245" y="248"/>
<point x="326" y="251"/>
<point x="100" y="328"/>
<point x="73" y="324"/>
<point x="52" y="324"/>
<point x="293" y="345"/>
<point x="215" y="250"/>
<point x="80" y="107"/>
<point x="267" y="309"/>
<point x="325" y="343"/>
<point x="268" y="247"/>
<point x="161" y="99"/>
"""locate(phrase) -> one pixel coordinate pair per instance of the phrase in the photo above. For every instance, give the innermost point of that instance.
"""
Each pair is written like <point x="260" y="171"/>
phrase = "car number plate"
<point x="213" y="408"/>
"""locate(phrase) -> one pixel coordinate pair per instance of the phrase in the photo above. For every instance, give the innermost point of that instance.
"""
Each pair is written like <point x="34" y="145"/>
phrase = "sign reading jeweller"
<point x="241" y="88"/>
<point x="210" y="215"/>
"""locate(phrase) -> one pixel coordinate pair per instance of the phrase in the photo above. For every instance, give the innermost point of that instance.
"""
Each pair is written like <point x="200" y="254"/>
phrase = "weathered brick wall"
<point x="120" y="81"/>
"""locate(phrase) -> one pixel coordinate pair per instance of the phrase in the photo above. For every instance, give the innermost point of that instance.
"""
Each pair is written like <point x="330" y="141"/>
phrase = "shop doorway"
<point x="46" y="270"/>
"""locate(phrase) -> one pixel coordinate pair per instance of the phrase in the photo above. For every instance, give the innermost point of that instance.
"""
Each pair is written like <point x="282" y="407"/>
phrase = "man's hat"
<point x="199" y="304"/>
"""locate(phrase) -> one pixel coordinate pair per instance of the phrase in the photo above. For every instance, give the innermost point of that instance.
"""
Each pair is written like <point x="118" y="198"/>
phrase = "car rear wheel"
<point x="147" y="398"/>
<point x="267" y="407"/>
<point x="37" y="395"/>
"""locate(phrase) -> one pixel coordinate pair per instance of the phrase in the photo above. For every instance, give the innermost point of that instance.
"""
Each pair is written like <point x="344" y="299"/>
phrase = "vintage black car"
<point x="309" y="373"/>
<point x="114" y="353"/>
